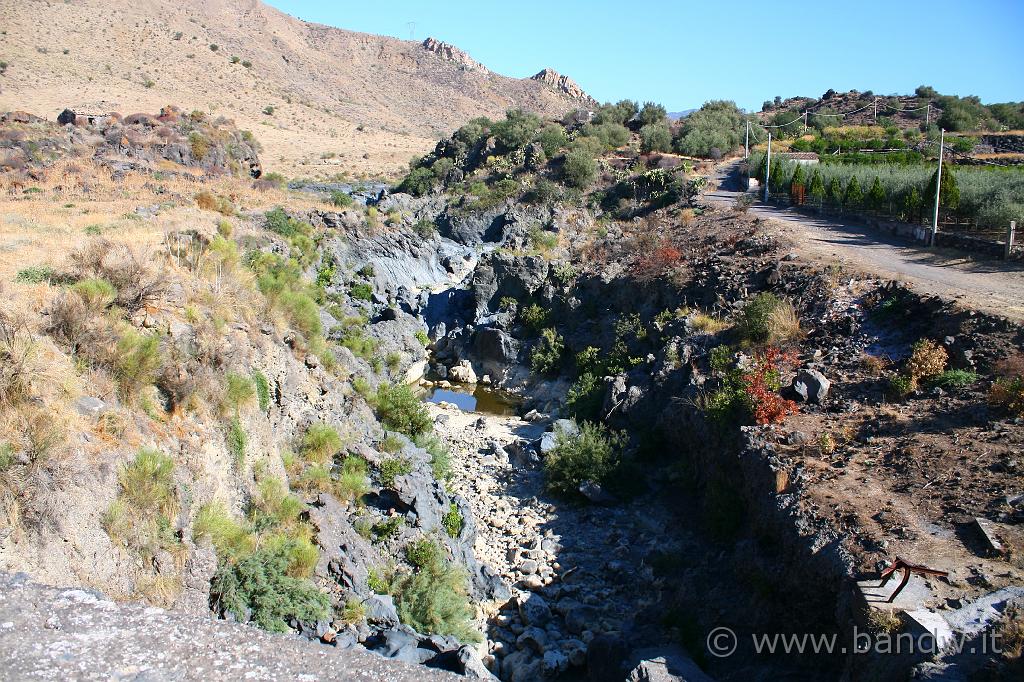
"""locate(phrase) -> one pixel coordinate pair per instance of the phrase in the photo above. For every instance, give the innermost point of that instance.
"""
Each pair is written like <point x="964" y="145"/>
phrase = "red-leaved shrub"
<point x="762" y="383"/>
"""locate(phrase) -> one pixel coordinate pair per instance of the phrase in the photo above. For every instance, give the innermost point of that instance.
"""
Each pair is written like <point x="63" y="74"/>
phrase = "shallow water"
<point x="479" y="399"/>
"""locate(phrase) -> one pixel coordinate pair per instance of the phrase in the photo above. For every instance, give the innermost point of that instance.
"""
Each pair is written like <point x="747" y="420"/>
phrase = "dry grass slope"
<point x="321" y="100"/>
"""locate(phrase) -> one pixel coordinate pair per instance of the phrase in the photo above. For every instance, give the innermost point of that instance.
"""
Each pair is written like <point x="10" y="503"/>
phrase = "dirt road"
<point x="989" y="286"/>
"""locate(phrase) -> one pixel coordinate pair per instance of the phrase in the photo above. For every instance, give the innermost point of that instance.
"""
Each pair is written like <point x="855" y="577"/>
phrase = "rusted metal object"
<point x="903" y="565"/>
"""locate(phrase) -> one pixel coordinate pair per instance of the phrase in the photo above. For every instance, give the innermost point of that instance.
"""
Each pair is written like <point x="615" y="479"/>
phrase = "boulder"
<point x="811" y="386"/>
<point x="521" y="666"/>
<point x="462" y="373"/>
<point x="549" y="440"/>
<point x="533" y="638"/>
<point x="665" y="665"/>
<point x="397" y="644"/>
<point x="606" y="659"/>
<point x="554" y="663"/>
<point x="380" y="610"/>
<point x="595" y="493"/>
<point x="66" y="117"/>
<point x="493" y="345"/>
<point x="471" y="666"/>
<point x="88" y="406"/>
<point x="533" y="609"/>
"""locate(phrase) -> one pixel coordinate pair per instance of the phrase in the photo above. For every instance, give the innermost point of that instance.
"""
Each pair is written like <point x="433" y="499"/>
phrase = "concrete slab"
<point x="921" y="621"/>
<point x="987" y="532"/>
<point x="916" y="595"/>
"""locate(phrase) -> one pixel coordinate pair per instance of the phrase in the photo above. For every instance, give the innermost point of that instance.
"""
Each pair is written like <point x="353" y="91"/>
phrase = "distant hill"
<point x="676" y="115"/>
<point x="925" y="106"/>
<point x="319" y="99"/>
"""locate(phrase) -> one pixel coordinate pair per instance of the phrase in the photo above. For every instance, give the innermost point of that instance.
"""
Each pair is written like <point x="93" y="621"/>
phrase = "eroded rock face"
<point x="565" y="85"/>
<point x="454" y="54"/>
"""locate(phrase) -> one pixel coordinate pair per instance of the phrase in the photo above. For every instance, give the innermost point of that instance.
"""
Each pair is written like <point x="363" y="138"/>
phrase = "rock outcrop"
<point x="454" y="54"/>
<point x="564" y="85"/>
<point x="68" y="634"/>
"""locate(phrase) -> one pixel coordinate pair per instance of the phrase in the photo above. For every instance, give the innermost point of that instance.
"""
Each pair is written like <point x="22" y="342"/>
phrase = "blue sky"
<point x="683" y="53"/>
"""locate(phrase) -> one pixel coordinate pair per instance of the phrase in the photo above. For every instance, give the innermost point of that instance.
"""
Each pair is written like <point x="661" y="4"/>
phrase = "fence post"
<point x="1010" y="233"/>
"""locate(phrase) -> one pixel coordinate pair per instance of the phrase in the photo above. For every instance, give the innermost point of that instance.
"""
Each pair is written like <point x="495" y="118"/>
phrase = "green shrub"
<point x="302" y="313"/>
<point x="544" y="191"/>
<point x="400" y="410"/>
<point x="361" y="386"/>
<point x="259" y="587"/>
<point x="716" y="125"/>
<point x="392" y="468"/>
<point x="147" y="483"/>
<point x="361" y="291"/>
<point x="542" y="240"/>
<point x="1007" y="391"/>
<point x="352" y="481"/>
<point x="516" y="130"/>
<point x="230" y="538"/>
<point x="262" y="389"/>
<point x="394" y="360"/>
<point x="423" y="552"/>
<point x="136" y="361"/>
<point x="434" y="600"/>
<point x="320" y="443"/>
<point x="341" y="199"/>
<point x="275" y="507"/>
<point x="901" y="385"/>
<point x="422" y="337"/>
<point x="359" y="342"/>
<point x="552" y="139"/>
<point x="655" y="137"/>
<point x="579" y="169"/>
<point x="418" y="182"/>
<point x="353" y="612"/>
<point x="585" y="397"/>
<point x="147" y="503"/>
<point x="652" y="114"/>
<point x="391" y="444"/>
<point x="440" y="456"/>
<point x="96" y="293"/>
<point x="954" y="378"/>
<point x="425" y="228"/>
<point x="386" y="529"/>
<point x="237" y="440"/>
<point x="534" y="316"/>
<point x="380" y="581"/>
<point x="452" y="521"/>
<point x="588" y="456"/>
<point x="240" y="390"/>
<point x="768" y="319"/>
<point x="546" y="357"/>
<point x="37" y="274"/>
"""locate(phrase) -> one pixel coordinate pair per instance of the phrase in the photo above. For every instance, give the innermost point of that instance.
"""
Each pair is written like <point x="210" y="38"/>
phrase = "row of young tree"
<point x="989" y="197"/>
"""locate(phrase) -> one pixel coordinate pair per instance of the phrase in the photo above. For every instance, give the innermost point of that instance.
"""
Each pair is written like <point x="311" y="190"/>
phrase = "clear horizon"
<point x="690" y="53"/>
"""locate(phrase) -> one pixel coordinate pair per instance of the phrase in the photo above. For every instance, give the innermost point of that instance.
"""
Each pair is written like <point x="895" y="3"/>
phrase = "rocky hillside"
<point x="207" y="406"/>
<point x="322" y="100"/>
<point x="171" y="140"/>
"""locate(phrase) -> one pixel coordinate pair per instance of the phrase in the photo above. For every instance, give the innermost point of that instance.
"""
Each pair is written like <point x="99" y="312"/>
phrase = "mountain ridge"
<point x="321" y="99"/>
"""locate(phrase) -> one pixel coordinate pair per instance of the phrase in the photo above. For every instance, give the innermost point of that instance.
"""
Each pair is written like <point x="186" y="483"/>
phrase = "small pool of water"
<point x="478" y="400"/>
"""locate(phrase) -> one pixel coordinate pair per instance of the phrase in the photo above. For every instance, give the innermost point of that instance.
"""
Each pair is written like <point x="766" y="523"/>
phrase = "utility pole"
<point x="938" y="185"/>
<point x="927" y="114"/>
<point x="874" y="117"/>
<point x="805" y="122"/>
<point x="746" y="142"/>
<point x="768" y="167"/>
